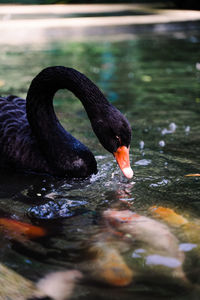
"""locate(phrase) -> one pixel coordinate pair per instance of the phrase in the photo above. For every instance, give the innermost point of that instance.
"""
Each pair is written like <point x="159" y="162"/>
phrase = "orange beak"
<point x="122" y="158"/>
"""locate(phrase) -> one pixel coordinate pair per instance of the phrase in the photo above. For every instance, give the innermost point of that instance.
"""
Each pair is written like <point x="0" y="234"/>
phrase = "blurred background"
<point x="189" y="4"/>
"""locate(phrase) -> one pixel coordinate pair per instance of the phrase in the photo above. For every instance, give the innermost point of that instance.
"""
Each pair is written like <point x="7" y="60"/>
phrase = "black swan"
<point x="32" y="138"/>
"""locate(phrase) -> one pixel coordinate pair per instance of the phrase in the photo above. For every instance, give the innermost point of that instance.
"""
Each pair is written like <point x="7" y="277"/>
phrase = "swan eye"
<point x="118" y="139"/>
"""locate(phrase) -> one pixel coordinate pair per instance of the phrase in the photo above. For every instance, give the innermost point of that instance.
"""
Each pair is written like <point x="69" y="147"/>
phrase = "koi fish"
<point x="58" y="285"/>
<point x="192" y="175"/>
<point x="108" y="266"/>
<point x="155" y="234"/>
<point x="162" y="247"/>
<point x="168" y="215"/>
<point x="17" y="229"/>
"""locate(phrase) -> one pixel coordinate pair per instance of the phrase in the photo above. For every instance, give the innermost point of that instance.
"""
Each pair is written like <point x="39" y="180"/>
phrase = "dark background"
<point x="184" y="4"/>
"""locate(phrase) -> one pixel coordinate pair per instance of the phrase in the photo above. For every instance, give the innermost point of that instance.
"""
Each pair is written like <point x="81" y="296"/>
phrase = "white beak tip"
<point x="128" y="172"/>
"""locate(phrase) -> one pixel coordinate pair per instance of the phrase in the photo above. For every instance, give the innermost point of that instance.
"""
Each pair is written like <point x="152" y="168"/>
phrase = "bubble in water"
<point x="141" y="145"/>
<point x="172" y="129"/>
<point x="187" y="129"/>
<point x="198" y="66"/>
<point x="161" y="143"/>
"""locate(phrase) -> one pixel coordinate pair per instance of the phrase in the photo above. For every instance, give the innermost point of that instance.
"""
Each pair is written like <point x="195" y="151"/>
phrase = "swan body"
<point x="32" y="138"/>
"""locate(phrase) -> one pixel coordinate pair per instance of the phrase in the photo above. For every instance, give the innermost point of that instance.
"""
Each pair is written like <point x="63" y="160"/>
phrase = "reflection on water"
<point x="74" y="15"/>
<point x="154" y="81"/>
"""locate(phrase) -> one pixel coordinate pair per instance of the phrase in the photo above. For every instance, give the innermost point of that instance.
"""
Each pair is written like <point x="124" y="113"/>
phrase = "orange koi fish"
<point x="17" y="229"/>
<point x="108" y="266"/>
<point x="144" y="229"/>
<point x="168" y="215"/>
<point x="192" y="175"/>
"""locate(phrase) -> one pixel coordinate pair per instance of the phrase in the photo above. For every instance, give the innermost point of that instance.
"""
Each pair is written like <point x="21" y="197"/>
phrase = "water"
<point x="154" y="80"/>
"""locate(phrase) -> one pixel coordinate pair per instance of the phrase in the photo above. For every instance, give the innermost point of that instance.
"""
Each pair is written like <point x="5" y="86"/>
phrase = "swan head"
<point x="114" y="133"/>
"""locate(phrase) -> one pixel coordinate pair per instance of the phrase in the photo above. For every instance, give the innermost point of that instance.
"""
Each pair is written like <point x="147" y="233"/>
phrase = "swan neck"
<point x="49" y="81"/>
<point x="54" y="141"/>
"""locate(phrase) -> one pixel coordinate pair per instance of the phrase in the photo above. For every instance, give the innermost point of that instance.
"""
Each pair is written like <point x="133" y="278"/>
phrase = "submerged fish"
<point x="108" y="265"/>
<point x="141" y="228"/>
<point x="58" y="285"/>
<point x="156" y="237"/>
<point x="192" y="175"/>
<point x="189" y="229"/>
<point x="17" y="229"/>
<point x="168" y="215"/>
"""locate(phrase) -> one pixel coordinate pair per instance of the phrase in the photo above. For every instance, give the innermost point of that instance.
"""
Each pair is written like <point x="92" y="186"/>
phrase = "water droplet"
<point x="172" y="129"/>
<point x="141" y="145"/>
<point x="172" y="126"/>
<point x="198" y="66"/>
<point x="143" y="162"/>
<point x="162" y="143"/>
<point x="187" y="129"/>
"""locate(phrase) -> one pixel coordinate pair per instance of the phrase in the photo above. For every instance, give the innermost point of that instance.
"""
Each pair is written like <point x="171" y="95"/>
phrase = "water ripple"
<point x="143" y="162"/>
<point x="56" y="209"/>
<point x="160" y="183"/>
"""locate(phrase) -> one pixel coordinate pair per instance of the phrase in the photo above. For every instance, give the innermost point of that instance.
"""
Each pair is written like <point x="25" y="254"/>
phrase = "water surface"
<point x="155" y="81"/>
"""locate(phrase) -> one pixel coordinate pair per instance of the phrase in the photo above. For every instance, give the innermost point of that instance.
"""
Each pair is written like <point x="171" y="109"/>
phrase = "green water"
<point x="155" y="81"/>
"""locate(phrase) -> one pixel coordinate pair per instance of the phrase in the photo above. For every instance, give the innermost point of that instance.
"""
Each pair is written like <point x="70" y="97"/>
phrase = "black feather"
<point x="32" y="138"/>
